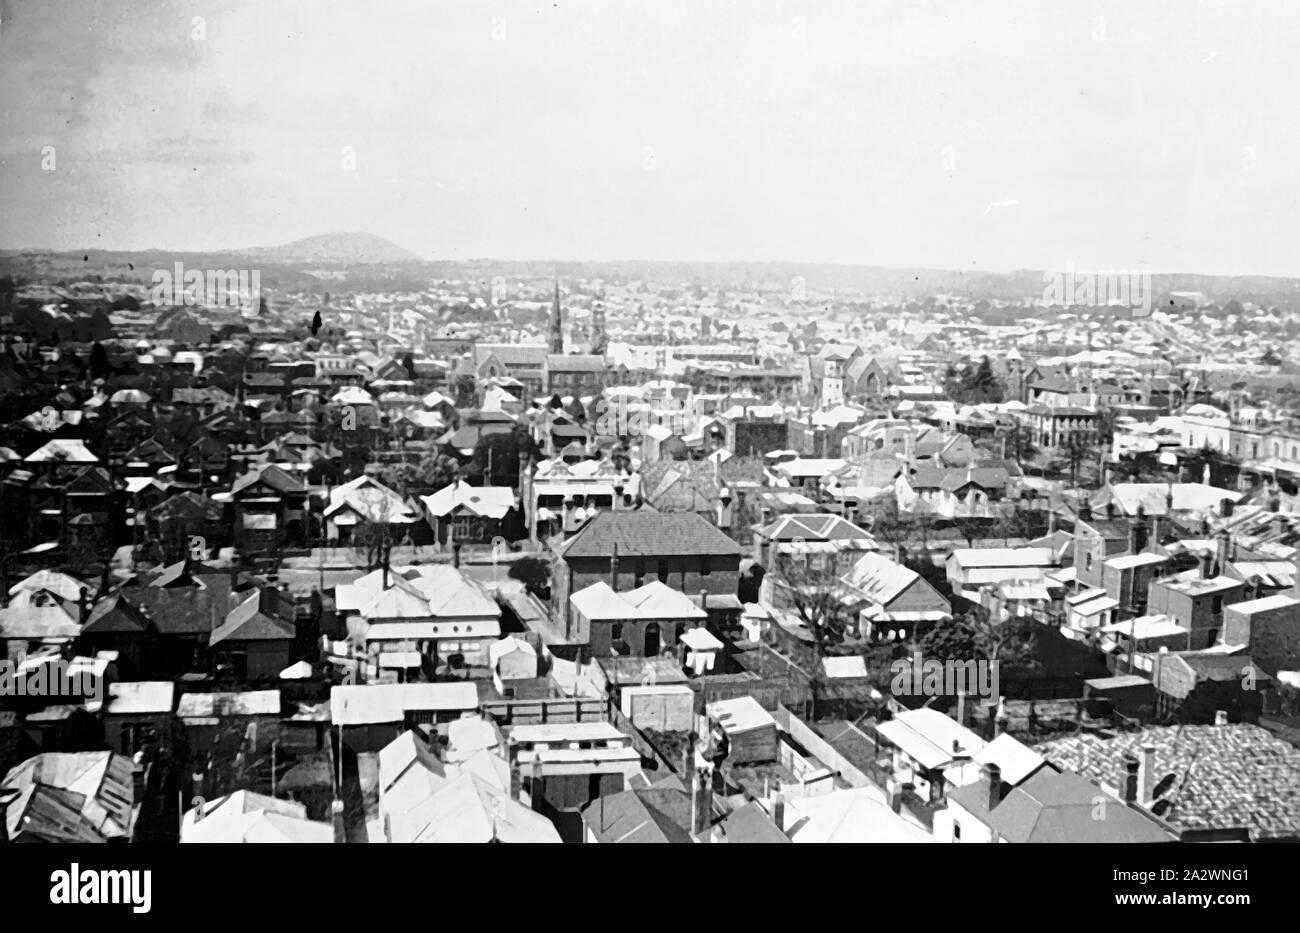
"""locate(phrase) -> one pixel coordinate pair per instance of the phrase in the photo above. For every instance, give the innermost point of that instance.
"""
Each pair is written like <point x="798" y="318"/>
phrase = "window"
<point x="616" y="631"/>
<point x="1216" y="606"/>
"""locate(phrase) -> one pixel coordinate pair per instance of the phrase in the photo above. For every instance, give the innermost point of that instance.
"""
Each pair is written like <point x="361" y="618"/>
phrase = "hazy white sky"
<point x="1128" y="135"/>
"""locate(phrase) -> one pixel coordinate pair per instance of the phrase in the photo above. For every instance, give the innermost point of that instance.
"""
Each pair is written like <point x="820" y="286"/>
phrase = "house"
<point x="1088" y="612"/>
<point x="892" y="601"/>
<point x="1127" y="579"/>
<point x="1196" y="600"/>
<point x="853" y="815"/>
<point x="476" y="799"/>
<point x="681" y="549"/>
<point x="24" y="629"/>
<point x="468" y="514"/>
<point x="566" y="765"/>
<point x="817" y="536"/>
<point x="657" y="814"/>
<point x="70" y="797"/>
<point x="576" y="375"/>
<point x="248" y="817"/>
<point x="365" y="503"/>
<point x="640" y="622"/>
<point x="433" y="611"/>
<point x="206" y="715"/>
<point x="256" y="638"/>
<point x="269" y="508"/>
<point x="1201" y="686"/>
<point x="1097" y="540"/>
<point x="137" y="713"/>
<point x="1268" y="628"/>
<point x="1049" y="806"/>
<point x="970" y="569"/>
<point x="1207" y="782"/>
<point x="929" y="750"/>
<point x="373" y="715"/>
<point x="748" y="823"/>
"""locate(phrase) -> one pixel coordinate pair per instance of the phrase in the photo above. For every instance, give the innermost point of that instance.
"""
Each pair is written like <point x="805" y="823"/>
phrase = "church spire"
<point x="557" y="322"/>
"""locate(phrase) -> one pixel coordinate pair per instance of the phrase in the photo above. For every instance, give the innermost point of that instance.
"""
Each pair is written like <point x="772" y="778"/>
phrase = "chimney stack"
<point x="1051" y="521"/>
<point x="1110" y="509"/>
<point x="1085" y="511"/>
<point x="1207" y="565"/>
<point x="993" y="784"/>
<point x="1135" y="530"/>
<point x="1223" y="540"/>
<point x="1147" y="773"/>
<point x="1225" y="508"/>
<point x="1220" y="717"/>
<point x="1129" y="781"/>
<point x="613" y="569"/>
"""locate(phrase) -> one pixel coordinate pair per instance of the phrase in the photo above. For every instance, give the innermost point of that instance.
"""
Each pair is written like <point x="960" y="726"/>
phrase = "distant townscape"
<point x="328" y="543"/>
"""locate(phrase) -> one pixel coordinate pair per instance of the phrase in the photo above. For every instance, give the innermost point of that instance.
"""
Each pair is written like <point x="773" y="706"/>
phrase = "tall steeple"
<point x="557" y="321"/>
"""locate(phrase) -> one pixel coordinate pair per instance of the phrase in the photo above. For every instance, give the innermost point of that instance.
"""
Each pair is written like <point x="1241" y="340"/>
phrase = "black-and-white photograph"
<point x="659" y="421"/>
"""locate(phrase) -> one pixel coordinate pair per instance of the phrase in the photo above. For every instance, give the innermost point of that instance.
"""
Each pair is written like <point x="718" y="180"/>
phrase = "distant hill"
<point x="330" y="248"/>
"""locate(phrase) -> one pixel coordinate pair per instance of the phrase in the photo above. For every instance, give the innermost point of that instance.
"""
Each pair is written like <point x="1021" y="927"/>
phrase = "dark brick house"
<point x="629" y="549"/>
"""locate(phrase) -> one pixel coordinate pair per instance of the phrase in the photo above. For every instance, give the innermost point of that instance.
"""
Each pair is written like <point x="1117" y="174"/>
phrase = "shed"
<point x="751" y="731"/>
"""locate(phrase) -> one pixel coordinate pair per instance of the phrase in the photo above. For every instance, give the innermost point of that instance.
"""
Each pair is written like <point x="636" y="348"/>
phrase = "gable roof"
<point x="654" y="814"/>
<point x="247" y="622"/>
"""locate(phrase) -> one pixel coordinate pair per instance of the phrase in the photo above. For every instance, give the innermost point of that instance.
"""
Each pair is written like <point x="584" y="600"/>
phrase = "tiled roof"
<point x="1228" y="777"/>
<point x="649" y="534"/>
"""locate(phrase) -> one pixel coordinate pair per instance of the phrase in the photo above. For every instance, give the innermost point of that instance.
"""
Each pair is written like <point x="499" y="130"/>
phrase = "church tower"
<point x="557" y="323"/>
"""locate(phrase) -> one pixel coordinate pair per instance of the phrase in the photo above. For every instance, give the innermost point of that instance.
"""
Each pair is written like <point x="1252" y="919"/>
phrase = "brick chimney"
<point x="701" y="802"/>
<point x="1207" y="565"/>
<point x="613" y="569"/>
<point x="1129" y="778"/>
<point x="1222" y="540"/>
<point x="993" y="785"/>
<point x="1147" y="773"/>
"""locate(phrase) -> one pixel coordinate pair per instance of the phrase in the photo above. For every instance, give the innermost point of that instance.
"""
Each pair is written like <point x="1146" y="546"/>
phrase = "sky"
<point x="1137" y="135"/>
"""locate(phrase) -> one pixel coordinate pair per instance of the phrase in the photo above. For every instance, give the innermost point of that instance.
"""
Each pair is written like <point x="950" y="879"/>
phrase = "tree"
<point x="1016" y="441"/>
<point x="535" y="574"/>
<point x="439" y="471"/>
<point x="99" y="366"/>
<point x="496" y="456"/>
<point x="1077" y="450"/>
<point x="973" y="636"/>
<point x="810" y="585"/>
